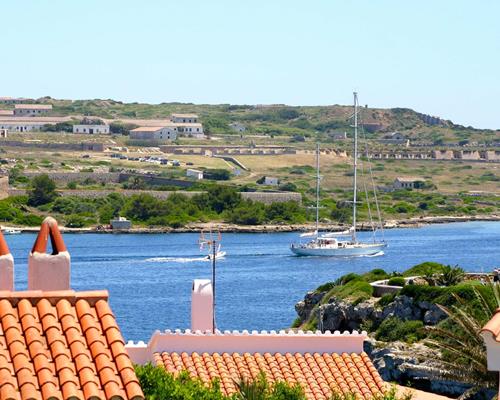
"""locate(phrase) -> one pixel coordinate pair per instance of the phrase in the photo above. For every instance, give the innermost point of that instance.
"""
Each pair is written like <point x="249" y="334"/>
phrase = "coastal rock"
<point x="398" y="362"/>
<point x="434" y="315"/>
<point x="403" y="308"/>
<point x="305" y="307"/>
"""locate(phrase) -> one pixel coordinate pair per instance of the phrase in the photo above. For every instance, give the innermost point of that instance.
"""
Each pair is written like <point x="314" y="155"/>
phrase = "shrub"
<point x="386" y="299"/>
<point x="423" y="268"/>
<point x="397" y="281"/>
<point x="375" y="275"/>
<point x="393" y="329"/>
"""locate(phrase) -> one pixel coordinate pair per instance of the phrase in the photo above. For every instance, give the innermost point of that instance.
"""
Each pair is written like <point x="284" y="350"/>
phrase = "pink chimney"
<point x="49" y="271"/>
<point x="202" y="299"/>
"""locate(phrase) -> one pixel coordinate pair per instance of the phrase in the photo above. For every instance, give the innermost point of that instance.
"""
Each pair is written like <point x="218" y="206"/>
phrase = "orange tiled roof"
<point x="62" y="345"/>
<point x="493" y="326"/>
<point x="316" y="373"/>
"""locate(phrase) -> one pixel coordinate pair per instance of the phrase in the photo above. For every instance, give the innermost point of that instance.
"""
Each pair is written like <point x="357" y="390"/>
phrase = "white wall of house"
<point x="161" y="134"/>
<point x="194" y="173"/>
<point x="184" y="118"/>
<point x="20" y="126"/>
<point x="91" y="129"/>
<point x="25" y="110"/>
<point x="271" y="180"/>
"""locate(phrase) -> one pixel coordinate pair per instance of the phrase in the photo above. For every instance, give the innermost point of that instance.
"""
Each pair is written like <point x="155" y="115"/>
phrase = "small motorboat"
<point x="11" y="231"/>
<point x="219" y="254"/>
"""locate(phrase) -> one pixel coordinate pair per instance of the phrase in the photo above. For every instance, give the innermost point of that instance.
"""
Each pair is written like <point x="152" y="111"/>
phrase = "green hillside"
<point x="276" y="120"/>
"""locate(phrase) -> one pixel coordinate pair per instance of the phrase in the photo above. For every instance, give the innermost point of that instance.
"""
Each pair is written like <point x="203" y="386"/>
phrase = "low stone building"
<point x="407" y="182"/>
<point x="194" y="173"/>
<point x="91" y="129"/>
<point x="271" y="181"/>
<point x="21" y="125"/>
<point x="154" y="133"/>
<point x="184" y="118"/>
<point x="120" y="224"/>
<point x="24" y="110"/>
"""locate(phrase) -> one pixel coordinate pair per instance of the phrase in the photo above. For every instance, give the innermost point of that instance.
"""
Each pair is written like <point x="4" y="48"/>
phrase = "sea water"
<point x="149" y="276"/>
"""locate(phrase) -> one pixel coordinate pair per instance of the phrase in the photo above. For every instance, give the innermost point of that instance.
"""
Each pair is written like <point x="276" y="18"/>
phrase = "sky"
<point x="437" y="57"/>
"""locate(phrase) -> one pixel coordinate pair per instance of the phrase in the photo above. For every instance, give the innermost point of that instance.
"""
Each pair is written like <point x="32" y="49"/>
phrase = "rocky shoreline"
<point x="272" y="228"/>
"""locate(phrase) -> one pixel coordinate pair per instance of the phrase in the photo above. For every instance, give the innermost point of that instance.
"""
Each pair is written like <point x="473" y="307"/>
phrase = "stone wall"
<point x="266" y="198"/>
<point x="84" y="146"/>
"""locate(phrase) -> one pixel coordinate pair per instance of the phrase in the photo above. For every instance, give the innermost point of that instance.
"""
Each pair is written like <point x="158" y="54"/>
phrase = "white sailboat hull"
<point x="358" y="249"/>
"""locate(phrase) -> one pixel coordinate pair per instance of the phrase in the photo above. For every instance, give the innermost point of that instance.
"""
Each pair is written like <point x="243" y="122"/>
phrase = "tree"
<point x="462" y="354"/>
<point x="43" y="191"/>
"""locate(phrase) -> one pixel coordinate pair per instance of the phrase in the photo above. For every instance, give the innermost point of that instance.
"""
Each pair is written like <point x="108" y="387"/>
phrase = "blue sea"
<point x="149" y="276"/>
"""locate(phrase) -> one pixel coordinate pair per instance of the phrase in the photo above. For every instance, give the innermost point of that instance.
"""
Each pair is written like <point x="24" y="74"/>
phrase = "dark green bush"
<point x="397" y="281"/>
<point x="393" y="329"/>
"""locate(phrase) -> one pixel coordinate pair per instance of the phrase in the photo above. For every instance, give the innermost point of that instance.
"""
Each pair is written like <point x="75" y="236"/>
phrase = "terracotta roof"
<point x="493" y="326"/>
<point x="33" y="106"/>
<point x="62" y="345"/>
<point x="316" y="373"/>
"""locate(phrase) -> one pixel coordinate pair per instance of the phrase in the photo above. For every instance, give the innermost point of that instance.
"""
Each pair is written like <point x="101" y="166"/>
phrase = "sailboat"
<point x="345" y="243"/>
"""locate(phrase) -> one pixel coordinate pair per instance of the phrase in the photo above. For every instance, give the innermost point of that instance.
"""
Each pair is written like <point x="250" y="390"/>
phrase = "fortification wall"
<point x="4" y="187"/>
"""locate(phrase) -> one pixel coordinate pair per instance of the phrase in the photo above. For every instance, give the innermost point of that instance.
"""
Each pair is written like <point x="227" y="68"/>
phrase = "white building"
<point x="184" y="118"/>
<point x="91" y="129"/>
<point x="6" y="113"/>
<point x="271" y="181"/>
<point x="194" y="173"/>
<point x="3" y="133"/>
<point x="15" y="125"/>
<point x="193" y="129"/>
<point x="154" y="133"/>
<point x="13" y="100"/>
<point x="31" y="109"/>
<point x="120" y="223"/>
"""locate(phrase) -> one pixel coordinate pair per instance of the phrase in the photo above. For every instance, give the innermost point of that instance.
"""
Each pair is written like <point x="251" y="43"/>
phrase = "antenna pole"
<point x="317" y="189"/>
<point x="355" y="164"/>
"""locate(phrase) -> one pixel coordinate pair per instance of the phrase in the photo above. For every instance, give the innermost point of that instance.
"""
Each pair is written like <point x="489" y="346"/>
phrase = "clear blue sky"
<point x="437" y="57"/>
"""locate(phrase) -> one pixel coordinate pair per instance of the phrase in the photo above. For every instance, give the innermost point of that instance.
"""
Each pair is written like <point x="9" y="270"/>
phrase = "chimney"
<point x="49" y="271"/>
<point x="202" y="305"/>
<point x="6" y="266"/>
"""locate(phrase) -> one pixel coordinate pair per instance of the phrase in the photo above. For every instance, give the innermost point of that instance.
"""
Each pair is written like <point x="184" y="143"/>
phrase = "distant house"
<point x="13" y="100"/>
<point x="22" y="125"/>
<point x="237" y="127"/>
<point x="271" y="181"/>
<point x="190" y="129"/>
<point x="120" y="224"/>
<point x="194" y="173"/>
<point x="24" y="110"/>
<point x="395" y="138"/>
<point x="184" y="118"/>
<point x="154" y="133"/>
<point x="91" y="129"/>
<point x="6" y="113"/>
<point x="408" y="182"/>
<point x="337" y="135"/>
<point x="3" y="133"/>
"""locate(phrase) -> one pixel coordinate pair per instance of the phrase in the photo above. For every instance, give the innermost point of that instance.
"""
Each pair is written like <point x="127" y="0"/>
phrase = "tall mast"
<point x="355" y="164"/>
<point x="317" y="189"/>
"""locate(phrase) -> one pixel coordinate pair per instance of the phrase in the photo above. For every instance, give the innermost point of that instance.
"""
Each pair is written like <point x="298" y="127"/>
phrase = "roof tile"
<point x="318" y="374"/>
<point x="62" y="345"/>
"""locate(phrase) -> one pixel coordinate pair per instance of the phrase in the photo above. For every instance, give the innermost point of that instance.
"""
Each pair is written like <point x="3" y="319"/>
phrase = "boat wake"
<point x="176" y="259"/>
<point x="380" y="253"/>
